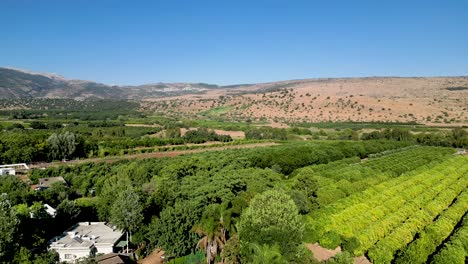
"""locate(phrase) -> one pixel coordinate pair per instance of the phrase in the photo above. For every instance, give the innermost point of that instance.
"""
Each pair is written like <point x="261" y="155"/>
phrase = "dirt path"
<point x="153" y="258"/>
<point x="151" y="155"/>
<point x="321" y="254"/>
<point x="142" y="125"/>
<point x="361" y="260"/>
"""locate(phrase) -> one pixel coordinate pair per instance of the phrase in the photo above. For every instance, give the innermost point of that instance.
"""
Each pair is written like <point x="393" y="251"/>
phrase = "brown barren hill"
<point x="431" y="100"/>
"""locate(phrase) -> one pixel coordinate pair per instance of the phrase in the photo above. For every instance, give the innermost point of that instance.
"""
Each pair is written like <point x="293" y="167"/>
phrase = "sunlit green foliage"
<point x="272" y="219"/>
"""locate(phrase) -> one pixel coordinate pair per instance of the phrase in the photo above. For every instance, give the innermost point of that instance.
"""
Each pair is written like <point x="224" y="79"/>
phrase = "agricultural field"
<point x="385" y="193"/>
<point x="406" y="212"/>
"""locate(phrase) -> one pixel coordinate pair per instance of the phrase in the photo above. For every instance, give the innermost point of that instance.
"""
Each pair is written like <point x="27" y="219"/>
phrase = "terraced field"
<point x="412" y="208"/>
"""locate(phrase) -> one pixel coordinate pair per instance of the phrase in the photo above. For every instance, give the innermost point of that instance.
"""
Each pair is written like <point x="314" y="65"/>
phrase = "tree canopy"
<point x="273" y="219"/>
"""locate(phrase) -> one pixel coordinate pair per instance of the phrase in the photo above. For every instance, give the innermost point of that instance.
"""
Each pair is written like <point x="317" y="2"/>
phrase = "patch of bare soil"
<point x="233" y="134"/>
<point x="321" y="253"/>
<point x="361" y="260"/>
<point x="153" y="258"/>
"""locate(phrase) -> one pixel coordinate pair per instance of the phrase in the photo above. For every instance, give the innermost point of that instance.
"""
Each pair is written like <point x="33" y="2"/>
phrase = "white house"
<point x="10" y="169"/>
<point x="7" y="171"/>
<point x="86" y="239"/>
<point x="46" y="183"/>
<point x="49" y="209"/>
<point x="22" y="166"/>
<point x="461" y="152"/>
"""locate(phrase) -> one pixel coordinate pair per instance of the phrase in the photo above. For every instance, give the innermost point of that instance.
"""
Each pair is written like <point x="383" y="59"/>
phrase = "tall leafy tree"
<point x="17" y="190"/>
<point x="111" y="186"/>
<point x="272" y="218"/>
<point x="459" y="138"/>
<point x="67" y="213"/>
<point x="127" y="211"/>
<point x="171" y="230"/>
<point x="266" y="254"/>
<point x="212" y="231"/>
<point x="8" y="226"/>
<point x="62" y="145"/>
<point x="231" y="251"/>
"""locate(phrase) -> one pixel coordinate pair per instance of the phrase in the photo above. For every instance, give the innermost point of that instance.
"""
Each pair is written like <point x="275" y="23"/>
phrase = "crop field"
<point x="394" y="193"/>
<point x="454" y="249"/>
<point x="405" y="207"/>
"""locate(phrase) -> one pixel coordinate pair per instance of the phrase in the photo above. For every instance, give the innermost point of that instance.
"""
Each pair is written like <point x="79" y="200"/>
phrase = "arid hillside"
<point x="441" y="101"/>
<point x="437" y="100"/>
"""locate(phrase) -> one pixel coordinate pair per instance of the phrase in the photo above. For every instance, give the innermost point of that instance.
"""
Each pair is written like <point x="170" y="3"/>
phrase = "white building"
<point x="14" y="167"/>
<point x="7" y="171"/>
<point x="50" y="210"/>
<point x="86" y="239"/>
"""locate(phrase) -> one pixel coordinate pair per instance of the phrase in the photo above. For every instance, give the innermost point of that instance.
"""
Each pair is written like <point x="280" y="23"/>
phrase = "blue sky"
<point x="228" y="42"/>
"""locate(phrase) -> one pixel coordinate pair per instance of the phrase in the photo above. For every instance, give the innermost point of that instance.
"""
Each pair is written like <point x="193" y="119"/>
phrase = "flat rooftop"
<point x="48" y="182"/>
<point x="87" y="234"/>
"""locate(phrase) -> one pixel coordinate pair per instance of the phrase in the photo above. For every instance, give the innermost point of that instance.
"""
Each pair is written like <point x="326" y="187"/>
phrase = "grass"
<point x="356" y="125"/>
<point x="217" y="111"/>
<point x="224" y="125"/>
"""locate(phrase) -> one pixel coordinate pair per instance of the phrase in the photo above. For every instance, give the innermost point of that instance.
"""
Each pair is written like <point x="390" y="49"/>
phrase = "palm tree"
<point x="213" y="236"/>
<point x="266" y="254"/>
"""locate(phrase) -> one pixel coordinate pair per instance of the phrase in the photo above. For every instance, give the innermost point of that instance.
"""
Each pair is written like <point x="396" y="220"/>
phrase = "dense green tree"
<point x="266" y="133"/>
<point x="23" y="256"/>
<point x="67" y="211"/>
<point x="38" y="125"/>
<point x="17" y="190"/>
<point x="36" y="228"/>
<point x="172" y="229"/>
<point x="374" y="135"/>
<point x="63" y="146"/>
<point x="57" y="193"/>
<point x="8" y="227"/>
<point x="303" y="204"/>
<point x="266" y="253"/>
<point x="231" y="253"/>
<point x="212" y="231"/>
<point x="21" y="147"/>
<point x="16" y="126"/>
<point x="305" y="192"/>
<point x="341" y="258"/>
<point x="126" y="211"/>
<point x="173" y="132"/>
<point x="272" y="218"/>
<point x="38" y="211"/>
<point x="202" y="135"/>
<point x="50" y="257"/>
<point x="111" y="186"/>
<point x="459" y="138"/>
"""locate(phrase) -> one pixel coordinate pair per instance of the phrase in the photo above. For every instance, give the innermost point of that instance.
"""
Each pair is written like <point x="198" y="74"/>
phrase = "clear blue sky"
<point x="237" y="41"/>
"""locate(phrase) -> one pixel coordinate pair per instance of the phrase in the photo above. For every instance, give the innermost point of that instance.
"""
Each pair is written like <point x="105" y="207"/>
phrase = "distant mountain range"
<point x="15" y="83"/>
<point x="428" y="100"/>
